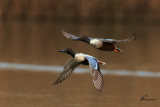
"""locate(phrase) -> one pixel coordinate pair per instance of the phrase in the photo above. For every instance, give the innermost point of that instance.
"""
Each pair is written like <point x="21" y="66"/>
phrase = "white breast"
<point x="79" y="57"/>
<point x="96" y="43"/>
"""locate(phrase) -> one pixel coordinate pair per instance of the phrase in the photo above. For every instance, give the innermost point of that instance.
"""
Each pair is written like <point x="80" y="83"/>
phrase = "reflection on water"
<point x="28" y="46"/>
<point x="53" y="68"/>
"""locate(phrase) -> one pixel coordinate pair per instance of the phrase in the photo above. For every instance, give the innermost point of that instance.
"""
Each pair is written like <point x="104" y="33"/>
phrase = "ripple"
<point x="55" y="68"/>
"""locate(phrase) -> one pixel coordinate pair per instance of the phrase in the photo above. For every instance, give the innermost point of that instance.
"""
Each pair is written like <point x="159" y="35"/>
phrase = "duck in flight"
<point x="100" y="43"/>
<point x="84" y="59"/>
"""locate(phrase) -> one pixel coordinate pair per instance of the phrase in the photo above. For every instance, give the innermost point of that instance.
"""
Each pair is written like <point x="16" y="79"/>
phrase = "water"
<point x="26" y="47"/>
<point x="23" y="88"/>
<point x="38" y="43"/>
<point x="54" y="68"/>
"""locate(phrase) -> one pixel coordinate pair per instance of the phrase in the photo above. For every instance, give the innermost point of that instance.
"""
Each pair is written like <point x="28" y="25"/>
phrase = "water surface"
<point x="26" y="47"/>
<point x="23" y="88"/>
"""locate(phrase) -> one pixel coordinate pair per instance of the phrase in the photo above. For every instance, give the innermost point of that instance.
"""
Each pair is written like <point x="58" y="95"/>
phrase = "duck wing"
<point x="133" y="37"/>
<point x="70" y="36"/>
<point x="68" y="69"/>
<point x="95" y="72"/>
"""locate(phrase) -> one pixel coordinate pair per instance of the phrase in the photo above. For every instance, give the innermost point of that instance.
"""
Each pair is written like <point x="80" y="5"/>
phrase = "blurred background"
<point x="30" y="31"/>
<point x="96" y="11"/>
<point x="30" y="34"/>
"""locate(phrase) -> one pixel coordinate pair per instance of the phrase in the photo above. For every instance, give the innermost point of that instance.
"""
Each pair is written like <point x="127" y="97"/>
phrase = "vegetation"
<point x="81" y="10"/>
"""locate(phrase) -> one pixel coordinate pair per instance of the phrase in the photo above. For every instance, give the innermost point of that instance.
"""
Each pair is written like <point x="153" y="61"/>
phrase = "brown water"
<point x="38" y="43"/>
<point x="23" y="88"/>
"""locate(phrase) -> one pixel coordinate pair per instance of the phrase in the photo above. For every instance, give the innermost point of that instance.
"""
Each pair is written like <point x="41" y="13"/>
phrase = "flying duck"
<point x="99" y="43"/>
<point x="84" y="59"/>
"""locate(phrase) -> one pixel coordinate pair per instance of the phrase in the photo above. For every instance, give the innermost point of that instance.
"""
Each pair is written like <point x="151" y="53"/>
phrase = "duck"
<point x="84" y="59"/>
<point x="100" y="43"/>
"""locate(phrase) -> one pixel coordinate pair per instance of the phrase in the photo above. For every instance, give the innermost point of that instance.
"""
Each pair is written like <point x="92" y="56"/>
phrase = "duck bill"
<point x="63" y="50"/>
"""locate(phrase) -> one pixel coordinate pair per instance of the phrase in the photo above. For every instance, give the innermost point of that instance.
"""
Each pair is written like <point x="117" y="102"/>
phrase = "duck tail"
<point x="118" y="50"/>
<point x="101" y="63"/>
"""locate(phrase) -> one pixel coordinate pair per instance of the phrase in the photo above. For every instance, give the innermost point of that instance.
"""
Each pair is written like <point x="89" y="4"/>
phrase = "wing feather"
<point x="68" y="35"/>
<point x="95" y="72"/>
<point x="134" y="35"/>
<point x="68" y="69"/>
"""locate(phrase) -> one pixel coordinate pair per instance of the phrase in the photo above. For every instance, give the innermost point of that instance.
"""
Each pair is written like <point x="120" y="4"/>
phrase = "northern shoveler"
<point x="81" y="58"/>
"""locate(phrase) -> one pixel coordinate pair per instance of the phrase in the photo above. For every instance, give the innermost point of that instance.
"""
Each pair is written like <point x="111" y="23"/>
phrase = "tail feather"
<point x="118" y="50"/>
<point x="101" y="63"/>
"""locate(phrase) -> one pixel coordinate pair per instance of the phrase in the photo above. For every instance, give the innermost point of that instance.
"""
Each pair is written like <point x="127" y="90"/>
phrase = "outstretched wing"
<point x="134" y="35"/>
<point x="68" y="69"/>
<point x="70" y="36"/>
<point x="95" y="72"/>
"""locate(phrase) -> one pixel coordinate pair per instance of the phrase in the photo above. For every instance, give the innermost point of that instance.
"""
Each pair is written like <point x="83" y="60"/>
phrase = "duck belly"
<point x="107" y="47"/>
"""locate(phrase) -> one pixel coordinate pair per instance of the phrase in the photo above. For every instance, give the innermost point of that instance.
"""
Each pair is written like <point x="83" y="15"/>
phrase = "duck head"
<point x="68" y="51"/>
<point x="84" y="39"/>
